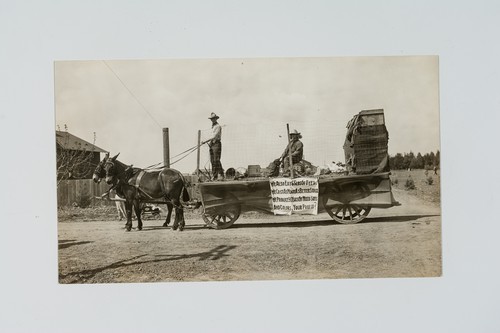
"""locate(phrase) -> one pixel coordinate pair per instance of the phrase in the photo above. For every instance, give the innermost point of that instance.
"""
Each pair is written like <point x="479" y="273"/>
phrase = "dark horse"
<point x="136" y="185"/>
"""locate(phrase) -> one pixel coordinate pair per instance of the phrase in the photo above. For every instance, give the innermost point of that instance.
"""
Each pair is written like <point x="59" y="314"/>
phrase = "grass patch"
<point x="410" y="184"/>
<point x="422" y="190"/>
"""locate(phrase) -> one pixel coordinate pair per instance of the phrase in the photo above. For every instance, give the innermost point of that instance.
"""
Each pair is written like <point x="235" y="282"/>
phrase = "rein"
<point x="187" y="152"/>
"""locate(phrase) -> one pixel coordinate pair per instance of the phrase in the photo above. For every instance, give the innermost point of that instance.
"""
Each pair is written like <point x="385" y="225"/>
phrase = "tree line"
<point x="412" y="161"/>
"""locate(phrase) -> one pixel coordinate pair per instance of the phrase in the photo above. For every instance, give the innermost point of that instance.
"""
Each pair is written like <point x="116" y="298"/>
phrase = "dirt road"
<point x="401" y="241"/>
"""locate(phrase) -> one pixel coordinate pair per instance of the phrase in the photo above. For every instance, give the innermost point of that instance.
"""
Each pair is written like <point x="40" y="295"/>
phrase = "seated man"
<point x="296" y="148"/>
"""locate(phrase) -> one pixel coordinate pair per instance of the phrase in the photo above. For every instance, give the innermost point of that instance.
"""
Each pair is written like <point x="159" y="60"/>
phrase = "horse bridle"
<point x="108" y="162"/>
<point x="112" y="163"/>
<point x="99" y="171"/>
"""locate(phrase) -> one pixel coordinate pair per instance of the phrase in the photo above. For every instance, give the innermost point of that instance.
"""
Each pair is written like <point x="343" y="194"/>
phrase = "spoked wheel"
<point x="348" y="214"/>
<point x="341" y="209"/>
<point x="223" y="218"/>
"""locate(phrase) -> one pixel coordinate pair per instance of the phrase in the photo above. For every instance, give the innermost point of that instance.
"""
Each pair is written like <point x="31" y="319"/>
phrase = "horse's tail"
<point x="185" y="194"/>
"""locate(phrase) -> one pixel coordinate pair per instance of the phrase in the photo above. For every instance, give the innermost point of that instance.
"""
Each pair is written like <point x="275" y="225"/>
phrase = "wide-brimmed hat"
<point x="213" y="115"/>
<point x="295" y="132"/>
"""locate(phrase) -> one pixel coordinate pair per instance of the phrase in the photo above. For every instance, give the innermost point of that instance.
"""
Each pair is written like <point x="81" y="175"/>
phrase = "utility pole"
<point x="289" y="150"/>
<point x="166" y="148"/>
<point x="198" y="154"/>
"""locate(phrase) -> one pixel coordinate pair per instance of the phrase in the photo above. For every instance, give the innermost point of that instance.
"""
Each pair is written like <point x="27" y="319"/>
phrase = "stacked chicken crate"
<point x="366" y="143"/>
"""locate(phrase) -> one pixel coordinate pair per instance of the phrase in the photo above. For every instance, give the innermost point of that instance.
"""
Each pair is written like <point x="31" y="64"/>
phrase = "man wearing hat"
<point x="214" y="142"/>
<point x="296" y="148"/>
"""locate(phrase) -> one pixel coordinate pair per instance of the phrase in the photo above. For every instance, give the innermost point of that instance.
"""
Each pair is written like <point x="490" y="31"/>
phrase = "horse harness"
<point x="138" y="182"/>
<point x="137" y="185"/>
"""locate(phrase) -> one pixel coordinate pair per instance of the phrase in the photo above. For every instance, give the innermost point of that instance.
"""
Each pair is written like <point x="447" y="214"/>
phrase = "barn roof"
<point x="68" y="141"/>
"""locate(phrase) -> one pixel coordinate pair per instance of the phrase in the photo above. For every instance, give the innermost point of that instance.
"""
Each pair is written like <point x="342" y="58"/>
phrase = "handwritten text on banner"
<point x="298" y="195"/>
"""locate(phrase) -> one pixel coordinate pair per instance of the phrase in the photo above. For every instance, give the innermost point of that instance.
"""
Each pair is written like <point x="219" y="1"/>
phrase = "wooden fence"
<point x="70" y="192"/>
<point x="79" y="191"/>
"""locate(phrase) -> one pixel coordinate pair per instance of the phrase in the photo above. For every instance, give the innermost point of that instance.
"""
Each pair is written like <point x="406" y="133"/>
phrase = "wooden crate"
<point x="371" y="118"/>
<point x="254" y="171"/>
<point x="366" y="143"/>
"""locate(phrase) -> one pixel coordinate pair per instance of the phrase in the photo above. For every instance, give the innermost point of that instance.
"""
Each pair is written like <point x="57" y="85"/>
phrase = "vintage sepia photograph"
<point x="248" y="169"/>
<point x="249" y="166"/>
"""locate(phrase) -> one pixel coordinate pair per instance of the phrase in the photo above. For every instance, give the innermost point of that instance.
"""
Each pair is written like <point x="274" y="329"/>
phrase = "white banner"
<point x="298" y="195"/>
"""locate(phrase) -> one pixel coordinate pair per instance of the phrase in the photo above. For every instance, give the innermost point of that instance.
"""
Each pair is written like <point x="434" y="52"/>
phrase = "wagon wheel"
<point x="157" y="216"/>
<point x="345" y="212"/>
<point x="224" y="217"/>
<point x="348" y="213"/>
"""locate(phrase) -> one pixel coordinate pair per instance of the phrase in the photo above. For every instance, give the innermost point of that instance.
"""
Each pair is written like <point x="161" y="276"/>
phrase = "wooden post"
<point x="198" y="154"/>
<point x="289" y="150"/>
<point x="166" y="148"/>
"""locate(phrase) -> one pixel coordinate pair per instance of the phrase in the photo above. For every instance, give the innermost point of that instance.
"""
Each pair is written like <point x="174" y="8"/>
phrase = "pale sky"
<point x="254" y="98"/>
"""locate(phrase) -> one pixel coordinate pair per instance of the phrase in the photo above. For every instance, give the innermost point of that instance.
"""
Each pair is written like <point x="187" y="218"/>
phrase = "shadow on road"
<point x="295" y="224"/>
<point x="187" y="227"/>
<point x="304" y="224"/>
<point x="63" y="244"/>
<point x="214" y="254"/>
<point x="404" y="218"/>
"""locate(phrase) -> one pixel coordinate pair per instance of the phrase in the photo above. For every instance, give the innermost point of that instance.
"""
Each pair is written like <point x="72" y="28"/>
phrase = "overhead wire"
<point x="187" y="151"/>
<point x="157" y="165"/>
<point x="132" y="94"/>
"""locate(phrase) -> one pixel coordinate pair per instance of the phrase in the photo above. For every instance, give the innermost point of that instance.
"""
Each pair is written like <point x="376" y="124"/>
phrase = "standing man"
<point x="214" y="142"/>
<point x="296" y="148"/>
<point x="120" y="205"/>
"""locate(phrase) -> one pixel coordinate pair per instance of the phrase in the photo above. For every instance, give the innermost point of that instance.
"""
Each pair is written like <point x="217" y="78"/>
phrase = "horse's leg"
<point x="179" y="218"/>
<point x="169" y="214"/>
<point x="180" y="211"/>
<point x="137" y="208"/>
<point x="128" y="208"/>
<point x="176" y="219"/>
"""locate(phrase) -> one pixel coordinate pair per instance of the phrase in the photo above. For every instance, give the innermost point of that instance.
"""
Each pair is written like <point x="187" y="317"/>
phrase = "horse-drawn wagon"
<point x="347" y="197"/>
